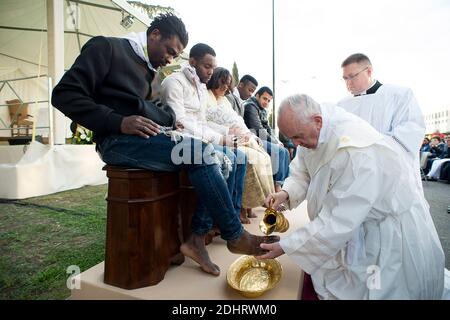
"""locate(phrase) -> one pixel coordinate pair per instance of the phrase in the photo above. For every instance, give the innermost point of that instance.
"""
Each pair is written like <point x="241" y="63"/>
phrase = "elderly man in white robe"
<point x="370" y="235"/>
<point x="392" y="110"/>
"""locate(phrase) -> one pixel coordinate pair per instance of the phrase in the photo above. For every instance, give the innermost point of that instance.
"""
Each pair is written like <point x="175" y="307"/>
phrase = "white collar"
<point x="237" y="94"/>
<point x="138" y="42"/>
<point x="365" y="91"/>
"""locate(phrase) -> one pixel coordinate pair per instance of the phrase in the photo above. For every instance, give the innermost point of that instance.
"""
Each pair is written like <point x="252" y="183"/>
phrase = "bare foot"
<point x="277" y="188"/>
<point x="250" y="213"/>
<point x="195" y="249"/>
<point x="243" y="217"/>
<point x="248" y="243"/>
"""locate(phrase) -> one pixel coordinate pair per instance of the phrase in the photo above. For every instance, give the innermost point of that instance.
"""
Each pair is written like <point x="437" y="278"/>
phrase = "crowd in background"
<point x="435" y="157"/>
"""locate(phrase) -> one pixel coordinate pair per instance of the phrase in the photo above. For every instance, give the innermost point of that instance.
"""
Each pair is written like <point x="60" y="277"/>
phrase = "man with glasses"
<point x="392" y="110"/>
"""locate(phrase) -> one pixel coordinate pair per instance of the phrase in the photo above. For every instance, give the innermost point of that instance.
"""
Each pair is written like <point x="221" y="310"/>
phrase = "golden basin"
<point x="252" y="277"/>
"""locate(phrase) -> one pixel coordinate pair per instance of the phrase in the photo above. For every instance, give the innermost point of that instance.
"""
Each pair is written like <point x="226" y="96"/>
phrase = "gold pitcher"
<point x="273" y="221"/>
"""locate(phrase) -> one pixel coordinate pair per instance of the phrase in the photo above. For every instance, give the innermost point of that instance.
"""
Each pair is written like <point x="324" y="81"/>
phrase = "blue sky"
<point x="408" y="42"/>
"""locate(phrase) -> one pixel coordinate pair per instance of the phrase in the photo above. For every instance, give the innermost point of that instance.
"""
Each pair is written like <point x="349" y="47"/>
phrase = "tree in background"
<point x="150" y="10"/>
<point x="270" y="118"/>
<point x="235" y="73"/>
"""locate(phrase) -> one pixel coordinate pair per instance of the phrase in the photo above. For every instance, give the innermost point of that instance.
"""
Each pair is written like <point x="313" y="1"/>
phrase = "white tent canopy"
<point x="25" y="47"/>
<point x="40" y="39"/>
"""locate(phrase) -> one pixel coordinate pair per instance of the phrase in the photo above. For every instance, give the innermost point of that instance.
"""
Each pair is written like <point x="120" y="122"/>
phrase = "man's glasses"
<point x="350" y="78"/>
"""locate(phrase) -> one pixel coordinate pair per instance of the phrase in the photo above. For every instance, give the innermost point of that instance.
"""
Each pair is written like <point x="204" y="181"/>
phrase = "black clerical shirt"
<point x="372" y="89"/>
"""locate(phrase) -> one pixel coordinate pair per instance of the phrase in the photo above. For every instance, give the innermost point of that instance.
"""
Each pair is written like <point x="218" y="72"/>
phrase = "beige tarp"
<point x="45" y="169"/>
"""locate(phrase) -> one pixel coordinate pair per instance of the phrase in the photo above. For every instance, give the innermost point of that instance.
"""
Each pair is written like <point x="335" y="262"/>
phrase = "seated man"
<point x="107" y="91"/>
<point x="436" y="152"/>
<point x="185" y="92"/>
<point x="240" y="93"/>
<point x="371" y="235"/>
<point x="255" y="117"/>
<point x="425" y="145"/>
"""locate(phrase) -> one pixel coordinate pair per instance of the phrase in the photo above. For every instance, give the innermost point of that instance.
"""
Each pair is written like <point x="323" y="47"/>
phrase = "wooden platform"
<point x="188" y="282"/>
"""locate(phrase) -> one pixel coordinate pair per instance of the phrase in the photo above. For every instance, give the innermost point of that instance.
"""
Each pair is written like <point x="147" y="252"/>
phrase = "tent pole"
<point x="55" y="44"/>
<point x="273" y="69"/>
<point x="51" y="130"/>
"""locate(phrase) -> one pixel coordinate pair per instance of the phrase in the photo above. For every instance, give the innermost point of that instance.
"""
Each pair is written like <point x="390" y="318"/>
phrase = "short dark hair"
<point x="261" y="91"/>
<point x="356" y="58"/>
<point x="248" y="78"/>
<point x="169" y="25"/>
<point x="200" y="50"/>
<point x="436" y="137"/>
<point x="218" y="78"/>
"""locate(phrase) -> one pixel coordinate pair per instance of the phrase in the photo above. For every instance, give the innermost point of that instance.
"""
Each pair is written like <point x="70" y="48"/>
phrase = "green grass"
<point x="38" y="242"/>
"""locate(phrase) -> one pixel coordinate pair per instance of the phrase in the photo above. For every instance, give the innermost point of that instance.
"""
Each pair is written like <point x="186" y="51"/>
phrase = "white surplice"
<point x="371" y="235"/>
<point x="392" y="110"/>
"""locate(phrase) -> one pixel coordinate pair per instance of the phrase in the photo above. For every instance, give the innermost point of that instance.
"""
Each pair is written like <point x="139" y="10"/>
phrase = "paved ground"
<point x="438" y="196"/>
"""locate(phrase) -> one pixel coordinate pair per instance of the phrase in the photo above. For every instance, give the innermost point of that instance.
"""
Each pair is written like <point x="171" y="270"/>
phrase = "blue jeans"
<point x="201" y="222"/>
<point x="159" y="153"/>
<point x="279" y="156"/>
<point x="237" y="175"/>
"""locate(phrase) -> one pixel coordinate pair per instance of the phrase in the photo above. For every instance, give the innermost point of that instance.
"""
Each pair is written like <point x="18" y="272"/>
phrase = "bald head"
<point x="300" y="119"/>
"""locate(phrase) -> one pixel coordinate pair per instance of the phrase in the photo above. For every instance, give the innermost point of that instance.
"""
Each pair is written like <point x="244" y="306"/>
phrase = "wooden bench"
<point x="148" y="216"/>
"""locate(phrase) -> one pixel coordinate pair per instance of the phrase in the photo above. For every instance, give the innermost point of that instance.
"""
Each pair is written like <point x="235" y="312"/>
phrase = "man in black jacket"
<point x="255" y="117"/>
<point x="108" y="89"/>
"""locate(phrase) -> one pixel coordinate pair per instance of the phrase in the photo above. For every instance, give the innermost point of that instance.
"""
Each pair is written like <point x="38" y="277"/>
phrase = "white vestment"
<point x="371" y="235"/>
<point x="393" y="111"/>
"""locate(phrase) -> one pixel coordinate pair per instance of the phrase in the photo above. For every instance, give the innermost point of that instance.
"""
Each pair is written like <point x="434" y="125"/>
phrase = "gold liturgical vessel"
<point x="273" y="221"/>
<point x="252" y="277"/>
